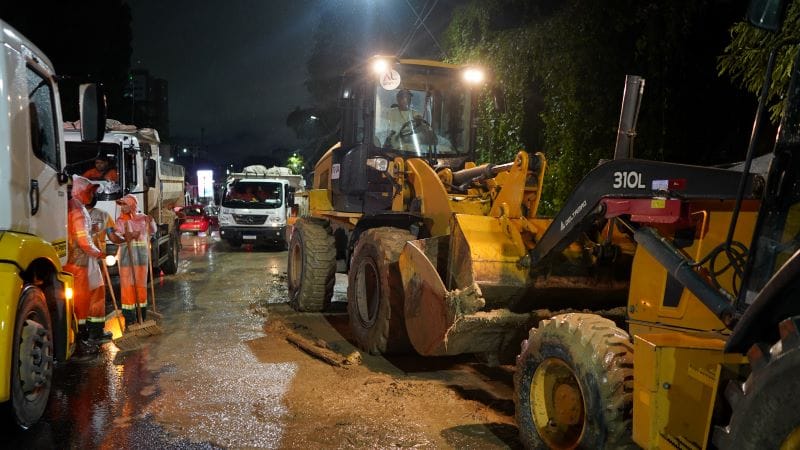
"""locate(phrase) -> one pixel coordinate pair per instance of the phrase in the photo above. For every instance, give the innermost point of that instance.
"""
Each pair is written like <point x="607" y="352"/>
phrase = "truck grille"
<point x="249" y="220"/>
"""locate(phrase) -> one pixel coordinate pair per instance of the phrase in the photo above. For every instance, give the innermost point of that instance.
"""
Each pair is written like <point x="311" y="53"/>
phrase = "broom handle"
<point x="152" y="279"/>
<point x="113" y="295"/>
<point x="133" y="274"/>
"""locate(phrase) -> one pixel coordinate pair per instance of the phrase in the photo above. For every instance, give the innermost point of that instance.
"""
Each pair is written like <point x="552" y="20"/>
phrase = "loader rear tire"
<point x="312" y="265"/>
<point x="32" y="360"/>
<point x="573" y="384"/>
<point x="765" y="406"/>
<point x="375" y="292"/>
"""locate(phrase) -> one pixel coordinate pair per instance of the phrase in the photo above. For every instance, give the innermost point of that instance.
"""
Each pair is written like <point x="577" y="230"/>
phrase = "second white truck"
<point x="158" y="185"/>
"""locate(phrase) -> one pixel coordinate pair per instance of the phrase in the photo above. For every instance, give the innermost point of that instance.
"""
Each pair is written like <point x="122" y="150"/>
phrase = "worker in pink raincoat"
<point x="135" y="228"/>
<point x="90" y="294"/>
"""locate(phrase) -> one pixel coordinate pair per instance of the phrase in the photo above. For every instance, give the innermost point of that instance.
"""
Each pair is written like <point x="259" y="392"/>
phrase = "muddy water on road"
<point x="220" y="376"/>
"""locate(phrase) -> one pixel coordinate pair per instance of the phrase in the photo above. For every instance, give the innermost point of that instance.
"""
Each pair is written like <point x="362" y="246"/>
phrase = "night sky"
<point x="236" y="69"/>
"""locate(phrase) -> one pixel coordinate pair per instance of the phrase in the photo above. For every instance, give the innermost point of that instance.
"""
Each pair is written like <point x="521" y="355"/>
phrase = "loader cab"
<point x="434" y="121"/>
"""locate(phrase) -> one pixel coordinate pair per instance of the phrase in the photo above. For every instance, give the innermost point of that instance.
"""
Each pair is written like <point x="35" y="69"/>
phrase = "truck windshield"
<point x="253" y="194"/>
<point x="428" y="113"/>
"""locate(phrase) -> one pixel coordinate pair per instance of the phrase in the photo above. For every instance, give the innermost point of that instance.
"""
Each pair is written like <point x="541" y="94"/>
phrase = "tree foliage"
<point x="746" y="56"/>
<point x="559" y="69"/>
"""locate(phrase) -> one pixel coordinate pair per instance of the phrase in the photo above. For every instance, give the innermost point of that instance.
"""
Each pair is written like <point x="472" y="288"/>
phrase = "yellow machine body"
<point x="679" y="364"/>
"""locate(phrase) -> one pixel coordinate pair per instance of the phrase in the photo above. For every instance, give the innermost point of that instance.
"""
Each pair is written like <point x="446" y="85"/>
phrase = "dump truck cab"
<point x="36" y="295"/>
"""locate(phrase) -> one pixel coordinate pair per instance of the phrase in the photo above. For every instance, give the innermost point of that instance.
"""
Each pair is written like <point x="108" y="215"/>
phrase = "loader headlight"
<point x="380" y="66"/>
<point x="379" y="164"/>
<point x="111" y="260"/>
<point x="474" y="75"/>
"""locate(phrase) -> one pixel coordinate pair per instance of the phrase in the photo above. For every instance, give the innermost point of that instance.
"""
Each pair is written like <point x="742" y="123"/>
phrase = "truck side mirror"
<point x="93" y="112"/>
<point x="290" y="197"/>
<point x="150" y="172"/>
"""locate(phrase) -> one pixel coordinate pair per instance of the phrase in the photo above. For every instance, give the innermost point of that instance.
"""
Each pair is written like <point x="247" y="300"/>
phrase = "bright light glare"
<point x="380" y="66"/>
<point x="111" y="260"/>
<point x="68" y="293"/>
<point x="473" y="75"/>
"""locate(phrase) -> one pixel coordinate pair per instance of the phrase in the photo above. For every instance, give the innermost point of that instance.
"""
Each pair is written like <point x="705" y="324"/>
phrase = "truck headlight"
<point x="276" y="221"/>
<point x="225" y="219"/>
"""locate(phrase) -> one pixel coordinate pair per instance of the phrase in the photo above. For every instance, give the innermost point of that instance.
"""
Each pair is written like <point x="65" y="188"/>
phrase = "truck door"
<point x="44" y="205"/>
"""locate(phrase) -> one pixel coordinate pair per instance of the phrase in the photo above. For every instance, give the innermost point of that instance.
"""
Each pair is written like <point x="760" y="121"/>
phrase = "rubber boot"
<point x="130" y="317"/>
<point x="144" y="313"/>
<point x="97" y="334"/>
<point x="83" y="332"/>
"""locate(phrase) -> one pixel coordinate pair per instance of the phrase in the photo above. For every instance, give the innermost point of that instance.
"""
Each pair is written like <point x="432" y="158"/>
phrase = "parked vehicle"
<point x="37" y="328"/>
<point x="158" y="185"/>
<point x="194" y="219"/>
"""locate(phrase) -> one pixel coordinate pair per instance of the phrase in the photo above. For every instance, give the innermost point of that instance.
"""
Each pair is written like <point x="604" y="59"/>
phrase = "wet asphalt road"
<point x="108" y="400"/>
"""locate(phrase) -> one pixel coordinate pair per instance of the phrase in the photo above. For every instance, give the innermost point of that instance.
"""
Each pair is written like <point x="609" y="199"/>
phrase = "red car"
<point x="194" y="218"/>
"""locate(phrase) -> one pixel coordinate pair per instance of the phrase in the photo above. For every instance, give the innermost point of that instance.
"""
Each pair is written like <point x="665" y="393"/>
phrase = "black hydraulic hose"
<point x="681" y="269"/>
<point x="762" y="101"/>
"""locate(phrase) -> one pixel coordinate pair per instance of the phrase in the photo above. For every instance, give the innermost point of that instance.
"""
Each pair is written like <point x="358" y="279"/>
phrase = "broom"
<point x="127" y="341"/>
<point x="154" y="312"/>
<point x="143" y="328"/>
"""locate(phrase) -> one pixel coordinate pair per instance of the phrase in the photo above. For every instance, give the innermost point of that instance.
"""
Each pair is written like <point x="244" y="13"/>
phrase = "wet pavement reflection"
<point x="195" y="386"/>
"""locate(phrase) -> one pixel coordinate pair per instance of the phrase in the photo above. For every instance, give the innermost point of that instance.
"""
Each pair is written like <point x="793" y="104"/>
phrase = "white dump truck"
<point x="256" y="204"/>
<point x="36" y="305"/>
<point x="157" y="184"/>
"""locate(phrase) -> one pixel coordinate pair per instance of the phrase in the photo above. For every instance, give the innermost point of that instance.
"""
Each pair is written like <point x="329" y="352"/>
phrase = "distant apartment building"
<point x="149" y="99"/>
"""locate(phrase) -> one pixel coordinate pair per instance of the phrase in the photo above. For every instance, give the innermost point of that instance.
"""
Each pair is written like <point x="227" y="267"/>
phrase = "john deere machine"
<point x="711" y="354"/>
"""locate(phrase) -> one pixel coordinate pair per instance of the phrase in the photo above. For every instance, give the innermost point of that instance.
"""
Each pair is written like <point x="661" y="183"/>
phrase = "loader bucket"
<point x="442" y="322"/>
<point x="471" y="292"/>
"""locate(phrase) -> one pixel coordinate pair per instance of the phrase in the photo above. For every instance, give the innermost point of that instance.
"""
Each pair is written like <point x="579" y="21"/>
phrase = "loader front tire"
<point x="312" y="265"/>
<point x="375" y="292"/>
<point x="32" y="358"/>
<point x="765" y="406"/>
<point x="573" y="384"/>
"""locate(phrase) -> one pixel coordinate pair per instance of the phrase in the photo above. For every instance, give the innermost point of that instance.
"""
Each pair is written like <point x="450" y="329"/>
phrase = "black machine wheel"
<point x="573" y="384"/>
<point x="375" y="291"/>
<point x="32" y="358"/>
<point x="170" y="266"/>
<point x="312" y="266"/>
<point x="765" y="406"/>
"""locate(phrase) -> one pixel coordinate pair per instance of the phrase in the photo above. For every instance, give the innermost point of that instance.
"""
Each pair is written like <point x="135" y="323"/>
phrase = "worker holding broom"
<point x="135" y="230"/>
<point x="90" y="294"/>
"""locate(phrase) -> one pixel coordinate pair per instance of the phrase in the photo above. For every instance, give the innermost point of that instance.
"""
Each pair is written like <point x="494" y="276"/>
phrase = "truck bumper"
<point x="252" y="234"/>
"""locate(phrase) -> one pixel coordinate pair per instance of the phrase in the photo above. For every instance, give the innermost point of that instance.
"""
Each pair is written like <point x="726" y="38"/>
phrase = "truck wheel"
<point x="32" y="360"/>
<point x="375" y="292"/>
<point x="765" y="406"/>
<point x="170" y="266"/>
<point x="573" y="384"/>
<point x="312" y="266"/>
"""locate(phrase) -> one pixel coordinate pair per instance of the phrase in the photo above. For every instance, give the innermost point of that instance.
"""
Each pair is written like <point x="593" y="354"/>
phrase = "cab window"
<point x="42" y="114"/>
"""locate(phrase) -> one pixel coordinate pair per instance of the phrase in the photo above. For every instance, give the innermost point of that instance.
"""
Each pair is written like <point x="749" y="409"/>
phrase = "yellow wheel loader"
<point x="405" y="124"/>
<point x="711" y="354"/>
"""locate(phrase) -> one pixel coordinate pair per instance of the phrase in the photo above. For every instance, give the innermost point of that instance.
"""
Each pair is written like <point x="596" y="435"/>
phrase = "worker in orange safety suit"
<point x="89" y="290"/>
<point x="102" y="170"/>
<point x="135" y="228"/>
